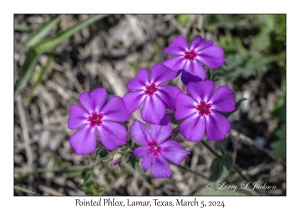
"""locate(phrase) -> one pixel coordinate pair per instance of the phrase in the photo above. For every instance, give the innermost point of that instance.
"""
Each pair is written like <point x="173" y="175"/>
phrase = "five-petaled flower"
<point x="201" y="111"/>
<point x="152" y="93"/>
<point x="95" y="117"/>
<point x="157" y="147"/>
<point x="189" y="59"/>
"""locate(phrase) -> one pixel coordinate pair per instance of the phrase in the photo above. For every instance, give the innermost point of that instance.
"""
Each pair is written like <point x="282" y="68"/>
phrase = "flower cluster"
<point x="199" y="107"/>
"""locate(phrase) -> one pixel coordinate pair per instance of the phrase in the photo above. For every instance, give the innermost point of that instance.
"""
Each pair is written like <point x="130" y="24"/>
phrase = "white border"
<point x="149" y="7"/>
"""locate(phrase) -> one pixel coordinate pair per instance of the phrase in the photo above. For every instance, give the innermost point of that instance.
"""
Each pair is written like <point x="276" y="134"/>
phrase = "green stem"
<point x="220" y="148"/>
<point x="210" y="149"/>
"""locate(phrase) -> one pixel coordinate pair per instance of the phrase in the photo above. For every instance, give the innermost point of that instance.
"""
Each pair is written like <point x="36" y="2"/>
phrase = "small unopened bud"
<point x="116" y="159"/>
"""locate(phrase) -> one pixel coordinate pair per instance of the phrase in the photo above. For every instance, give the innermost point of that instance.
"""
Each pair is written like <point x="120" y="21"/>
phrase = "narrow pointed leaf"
<point x="24" y="190"/>
<point x="38" y="79"/>
<point x="25" y="72"/>
<point x="42" y="31"/>
<point x="220" y="168"/>
<point x="50" y="43"/>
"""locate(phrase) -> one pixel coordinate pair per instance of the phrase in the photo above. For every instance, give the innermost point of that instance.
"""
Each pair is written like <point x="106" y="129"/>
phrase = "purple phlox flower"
<point x="152" y="93"/>
<point x="156" y="147"/>
<point x="189" y="59"/>
<point x="201" y="107"/>
<point x="95" y="117"/>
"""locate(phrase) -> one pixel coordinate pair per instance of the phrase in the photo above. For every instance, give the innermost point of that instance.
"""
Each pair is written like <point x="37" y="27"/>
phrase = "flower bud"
<point x="116" y="159"/>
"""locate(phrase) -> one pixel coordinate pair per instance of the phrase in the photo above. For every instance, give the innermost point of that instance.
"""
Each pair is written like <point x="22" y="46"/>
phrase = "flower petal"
<point x="162" y="131"/>
<point x="141" y="152"/>
<point x="114" y="110"/>
<point x="223" y="100"/>
<point x="146" y="162"/>
<point x="212" y="57"/>
<point x="177" y="63"/>
<point x="178" y="46"/>
<point x="112" y="134"/>
<point x="198" y="43"/>
<point x="84" y="140"/>
<point x="195" y="68"/>
<point x="153" y="109"/>
<point x="94" y="100"/>
<point x="133" y="100"/>
<point x="168" y="94"/>
<point x="139" y="132"/>
<point x="201" y="90"/>
<point x="193" y="128"/>
<point x="78" y="117"/>
<point x="185" y="106"/>
<point x="217" y="126"/>
<point x="161" y="74"/>
<point x="140" y="81"/>
<point x="160" y="168"/>
<point x="173" y="151"/>
<point x="187" y="77"/>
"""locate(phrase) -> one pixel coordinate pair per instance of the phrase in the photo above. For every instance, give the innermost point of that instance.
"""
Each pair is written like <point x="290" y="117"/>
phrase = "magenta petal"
<point x="201" y="90"/>
<point x="112" y="134"/>
<point x="212" y="57"/>
<point x="160" y="168"/>
<point x="185" y="106"/>
<point x="173" y="151"/>
<point x="94" y="100"/>
<point x="115" y="110"/>
<point x="168" y="94"/>
<point x="139" y="132"/>
<point x="133" y="100"/>
<point x="222" y="100"/>
<point x="217" y="126"/>
<point x="84" y="141"/>
<point x="178" y="46"/>
<point x="193" y="128"/>
<point x="146" y="162"/>
<point x="162" y="131"/>
<point x="153" y="109"/>
<point x="161" y="74"/>
<point x="141" y="152"/>
<point x="78" y="117"/>
<point x="187" y="77"/>
<point x="177" y="63"/>
<point x="198" y="43"/>
<point x="195" y="68"/>
<point x="140" y="81"/>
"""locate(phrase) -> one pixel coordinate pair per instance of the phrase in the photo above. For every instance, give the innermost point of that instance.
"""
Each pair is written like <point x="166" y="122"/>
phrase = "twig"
<point x="25" y="132"/>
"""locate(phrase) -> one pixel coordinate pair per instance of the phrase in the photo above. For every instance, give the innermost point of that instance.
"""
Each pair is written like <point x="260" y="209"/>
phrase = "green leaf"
<point x="25" y="72"/>
<point x="214" y="22"/>
<point x="20" y="27"/>
<point x="42" y="31"/>
<point x="220" y="168"/>
<point x="93" y="188"/>
<point x="24" y="190"/>
<point x="50" y="43"/>
<point x="182" y="19"/>
<point x="261" y="41"/>
<point x="237" y="105"/>
<point x="38" y="78"/>
<point x="279" y="147"/>
<point x="102" y="153"/>
<point x="133" y="162"/>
